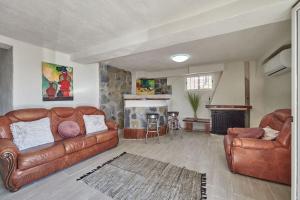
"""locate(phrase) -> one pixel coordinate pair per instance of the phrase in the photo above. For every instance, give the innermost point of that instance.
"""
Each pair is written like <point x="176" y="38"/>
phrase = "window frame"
<point x="198" y="77"/>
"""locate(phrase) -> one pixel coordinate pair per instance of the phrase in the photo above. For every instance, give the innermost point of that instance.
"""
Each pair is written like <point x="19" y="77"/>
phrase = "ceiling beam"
<point x="235" y="16"/>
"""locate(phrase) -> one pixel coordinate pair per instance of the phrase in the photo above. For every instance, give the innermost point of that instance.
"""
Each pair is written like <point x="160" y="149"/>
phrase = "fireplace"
<point x="227" y="116"/>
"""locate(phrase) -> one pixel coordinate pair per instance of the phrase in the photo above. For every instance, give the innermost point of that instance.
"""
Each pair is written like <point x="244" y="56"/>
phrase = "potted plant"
<point x="194" y="100"/>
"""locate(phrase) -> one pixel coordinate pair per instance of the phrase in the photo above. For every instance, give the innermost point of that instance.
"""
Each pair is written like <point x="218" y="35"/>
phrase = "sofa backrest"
<point x="276" y="119"/>
<point x="27" y="115"/>
<point x="56" y="116"/>
<point x="284" y="136"/>
<point x="60" y="114"/>
<point x="279" y="120"/>
<point x="22" y="115"/>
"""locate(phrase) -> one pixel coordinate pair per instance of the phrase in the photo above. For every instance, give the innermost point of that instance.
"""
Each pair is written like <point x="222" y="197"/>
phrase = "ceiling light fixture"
<point x="180" y="57"/>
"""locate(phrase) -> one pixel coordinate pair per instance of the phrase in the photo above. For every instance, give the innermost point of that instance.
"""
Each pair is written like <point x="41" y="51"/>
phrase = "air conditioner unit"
<point x="278" y="64"/>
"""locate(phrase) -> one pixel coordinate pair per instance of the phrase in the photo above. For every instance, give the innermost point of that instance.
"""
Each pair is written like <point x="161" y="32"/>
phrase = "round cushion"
<point x="68" y="129"/>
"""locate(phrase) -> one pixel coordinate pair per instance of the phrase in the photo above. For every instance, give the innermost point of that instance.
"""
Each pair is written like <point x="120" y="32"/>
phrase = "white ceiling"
<point x="249" y="44"/>
<point x="70" y="25"/>
<point x="97" y="30"/>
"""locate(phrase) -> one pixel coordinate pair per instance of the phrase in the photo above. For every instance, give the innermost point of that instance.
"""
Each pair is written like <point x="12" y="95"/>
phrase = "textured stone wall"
<point x="135" y="117"/>
<point x="114" y="83"/>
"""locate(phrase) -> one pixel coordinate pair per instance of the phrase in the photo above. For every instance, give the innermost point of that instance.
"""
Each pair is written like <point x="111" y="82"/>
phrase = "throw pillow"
<point x="94" y="123"/>
<point x="68" y="129"/>
<point x="270" y="134"/>
<point x="30" y="134"/>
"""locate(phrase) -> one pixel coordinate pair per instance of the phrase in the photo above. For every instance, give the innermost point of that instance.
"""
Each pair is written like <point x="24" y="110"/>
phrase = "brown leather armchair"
<point x="247" y="154"/>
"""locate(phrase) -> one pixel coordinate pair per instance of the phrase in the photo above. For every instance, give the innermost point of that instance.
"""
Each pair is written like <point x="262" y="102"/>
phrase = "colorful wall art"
<point x="145" y="87"/>
<point x="152" y="86"/>
<point x="57" y="82"/>
<point x="161" y="86"/>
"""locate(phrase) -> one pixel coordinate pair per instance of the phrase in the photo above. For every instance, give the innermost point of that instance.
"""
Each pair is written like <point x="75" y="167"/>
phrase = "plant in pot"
<point x="194" y="100"/>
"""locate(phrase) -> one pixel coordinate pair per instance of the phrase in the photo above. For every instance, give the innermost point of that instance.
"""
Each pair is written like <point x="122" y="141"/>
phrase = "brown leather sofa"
<point x="22" y="167"/>
<point x="247" y="154"/>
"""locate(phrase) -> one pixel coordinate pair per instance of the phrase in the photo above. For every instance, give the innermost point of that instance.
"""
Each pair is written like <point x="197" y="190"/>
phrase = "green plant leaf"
<point x="194" y="100"/>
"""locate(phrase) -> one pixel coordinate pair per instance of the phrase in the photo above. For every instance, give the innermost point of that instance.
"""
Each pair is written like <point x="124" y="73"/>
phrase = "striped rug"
<point x="135" y="177"/>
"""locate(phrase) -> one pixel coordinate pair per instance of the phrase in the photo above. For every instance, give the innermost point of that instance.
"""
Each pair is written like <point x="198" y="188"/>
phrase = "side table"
<point x="190" y="120"/>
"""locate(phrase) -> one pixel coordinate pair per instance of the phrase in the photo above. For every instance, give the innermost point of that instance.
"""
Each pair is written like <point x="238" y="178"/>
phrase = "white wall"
<point x="179" y="101"/>
<point x="256" y="94"/>
<point x="277" y="89"/>
<point x="277" y="92"/>
<point x="266" y="94"/>
<point x="6" y="72"/>
<point x="27" y="76"/>
<point x="231" y="88"/>
<point x="208" y="68"/>
<point x="176" y="78"/>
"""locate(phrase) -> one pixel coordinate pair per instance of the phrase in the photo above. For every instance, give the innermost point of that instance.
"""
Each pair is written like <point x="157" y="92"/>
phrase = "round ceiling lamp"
<point x="180" y="57"/>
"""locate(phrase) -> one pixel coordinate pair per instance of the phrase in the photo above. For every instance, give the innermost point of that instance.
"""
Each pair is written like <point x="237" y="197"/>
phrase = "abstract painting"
<point x="57" y="83"/>
<point x="161" y="86"/>
<point x="145" y="87"/>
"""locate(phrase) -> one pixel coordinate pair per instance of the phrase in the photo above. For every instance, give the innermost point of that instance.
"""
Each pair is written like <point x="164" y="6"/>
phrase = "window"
<point x="199" y="82"/>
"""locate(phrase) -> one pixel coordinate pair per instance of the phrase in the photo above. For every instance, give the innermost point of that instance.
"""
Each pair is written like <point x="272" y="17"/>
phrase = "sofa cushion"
<point x="270" y="134"/>
<point x="41" y="154"/>
<point x="68" y="129"/>
<point x="94" y="123"/>
<point x="105" y="135"/>
<point x="78" y="143"/>
<point x="30" y="134"/>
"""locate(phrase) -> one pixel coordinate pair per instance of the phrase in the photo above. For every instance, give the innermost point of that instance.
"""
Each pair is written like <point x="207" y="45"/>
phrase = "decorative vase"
<point x="51" y="91"/>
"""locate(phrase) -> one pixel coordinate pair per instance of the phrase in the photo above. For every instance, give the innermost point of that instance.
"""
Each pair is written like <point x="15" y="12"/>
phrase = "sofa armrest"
<point x="111" y="124"/>
<point x="246" y="132"/>
<point x="8" y="162"/>
<point x="250" y="143"/>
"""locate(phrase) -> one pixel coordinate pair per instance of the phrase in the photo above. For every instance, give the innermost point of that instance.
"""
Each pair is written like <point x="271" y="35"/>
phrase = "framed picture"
<point x="161" y="86"/>
<point x="57" y="82"/>
<point x="145" y="87"/>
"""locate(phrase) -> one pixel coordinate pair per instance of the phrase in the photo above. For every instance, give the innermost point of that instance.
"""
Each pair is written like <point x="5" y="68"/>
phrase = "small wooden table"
<point x="190" y="120"/>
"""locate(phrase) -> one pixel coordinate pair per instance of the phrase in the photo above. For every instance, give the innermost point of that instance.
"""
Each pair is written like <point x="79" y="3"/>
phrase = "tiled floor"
<point x="196" y="151"/>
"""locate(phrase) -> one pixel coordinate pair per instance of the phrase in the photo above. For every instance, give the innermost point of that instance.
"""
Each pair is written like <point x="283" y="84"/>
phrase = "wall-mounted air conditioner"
<point x="278" y="64"/>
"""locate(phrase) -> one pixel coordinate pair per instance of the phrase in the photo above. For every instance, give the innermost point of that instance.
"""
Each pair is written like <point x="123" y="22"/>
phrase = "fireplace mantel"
<point x="229" y="107"/>
<point x="147" y="97"/>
